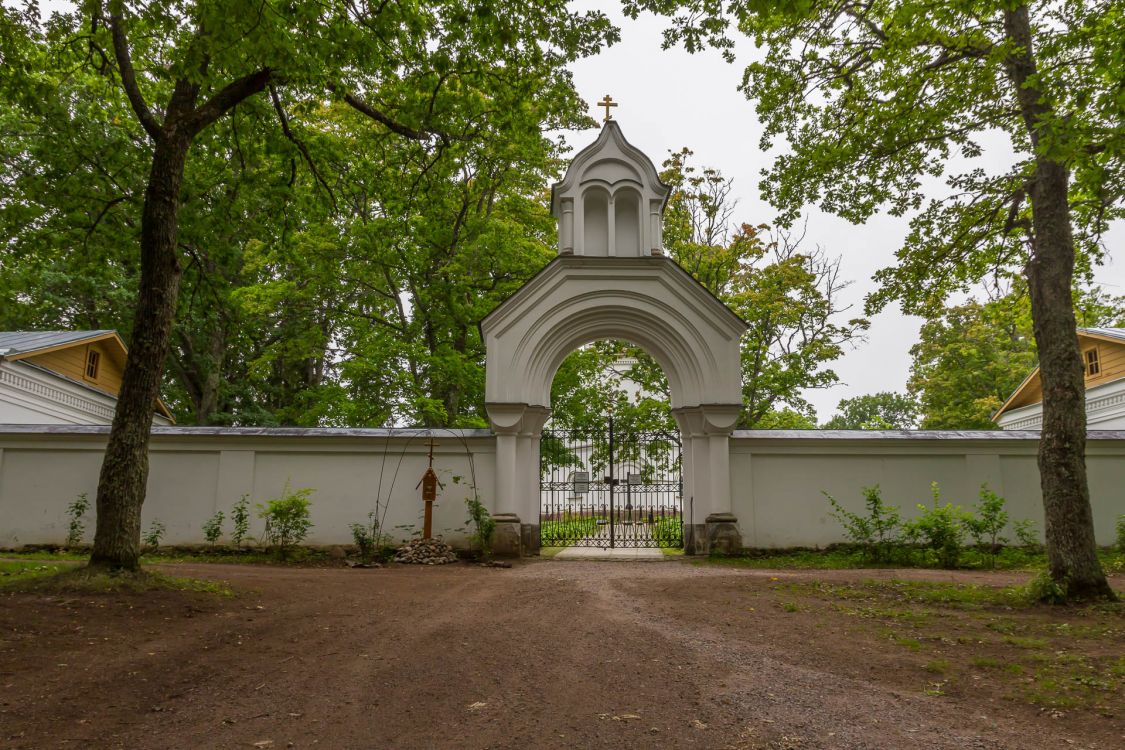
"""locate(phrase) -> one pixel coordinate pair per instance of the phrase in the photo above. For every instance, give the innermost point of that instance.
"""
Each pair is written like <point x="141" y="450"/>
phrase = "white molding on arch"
<point x="650" y="302"/>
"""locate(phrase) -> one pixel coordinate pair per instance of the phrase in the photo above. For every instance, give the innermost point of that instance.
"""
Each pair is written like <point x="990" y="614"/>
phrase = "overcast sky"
<point x="670" y="99"/>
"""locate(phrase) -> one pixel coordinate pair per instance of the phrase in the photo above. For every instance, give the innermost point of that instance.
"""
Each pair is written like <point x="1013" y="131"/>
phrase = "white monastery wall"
<point x="196" y="471"/>
<point x="778" y="477"/>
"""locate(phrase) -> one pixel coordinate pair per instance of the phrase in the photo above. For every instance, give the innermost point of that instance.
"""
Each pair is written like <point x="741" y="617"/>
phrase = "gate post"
<point x="709" y="521"/>
<point x="516" y="506"/>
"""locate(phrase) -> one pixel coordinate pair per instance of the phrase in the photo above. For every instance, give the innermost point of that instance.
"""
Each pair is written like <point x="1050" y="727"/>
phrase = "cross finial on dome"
<point x="607" y="102"/>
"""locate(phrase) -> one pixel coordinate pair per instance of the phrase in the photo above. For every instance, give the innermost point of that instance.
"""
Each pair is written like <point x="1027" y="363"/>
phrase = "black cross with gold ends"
<point x="607" y="102"/>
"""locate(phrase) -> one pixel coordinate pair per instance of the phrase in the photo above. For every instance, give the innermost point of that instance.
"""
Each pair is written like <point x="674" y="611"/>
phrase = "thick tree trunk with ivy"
<point x="121" y="486"/>
<point x="1071" y="546"/>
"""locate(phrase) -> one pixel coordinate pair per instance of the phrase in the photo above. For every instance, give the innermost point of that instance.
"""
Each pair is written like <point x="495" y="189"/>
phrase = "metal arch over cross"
<point x="607" y="102"/>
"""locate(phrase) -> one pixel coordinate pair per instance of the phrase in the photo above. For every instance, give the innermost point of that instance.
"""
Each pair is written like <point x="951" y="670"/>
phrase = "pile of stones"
<point x="425" y="552"/>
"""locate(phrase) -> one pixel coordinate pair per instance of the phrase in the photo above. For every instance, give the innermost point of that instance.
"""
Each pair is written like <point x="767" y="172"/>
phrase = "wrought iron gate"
<point x="603" y="488"/>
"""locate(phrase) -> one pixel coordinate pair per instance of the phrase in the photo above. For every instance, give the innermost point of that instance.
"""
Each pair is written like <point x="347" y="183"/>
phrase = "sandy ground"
<point x="547" y="654"/>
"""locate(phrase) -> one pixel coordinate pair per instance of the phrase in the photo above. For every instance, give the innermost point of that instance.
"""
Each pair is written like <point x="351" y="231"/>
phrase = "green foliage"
<point x="1026" y="533"/>
<point x="287" y="519"/>
<point x="787" y="419"/>
<point x="878" y="532"/>
<point x="940" y="530"/>
<point x="483" y="525"/>
<point x="76" y="525"/>
<point x="986" y="525"/>
<point x="335" y="265"/>
<point x="1121" y="534"/>
<point x="1043" y="588"/>
<point x="876" y="411"/>
<point x="368" y="538"/>
<point x="213" y="528"/>
<point x="153" y="535"/>
<point x="240" y="515"/>
<point x="561" y="532"/>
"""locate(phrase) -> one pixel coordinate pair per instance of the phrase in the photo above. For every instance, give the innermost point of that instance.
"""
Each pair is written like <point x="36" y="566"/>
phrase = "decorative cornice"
<point x="54" y="394"/>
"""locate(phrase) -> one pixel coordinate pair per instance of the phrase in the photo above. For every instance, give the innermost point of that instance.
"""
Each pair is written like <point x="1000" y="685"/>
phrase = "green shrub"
<point x="986" y="526"/>
<point x="1026" y="533"/>
<point x="940" y="530"/>
<point x="76" y="527"/>
<point x="1121" y="534"/>
<point x="483" y="525"/>
<point x="240" y="514"/>
<point x="1045" y="589"/>
<point x="367" y="537"/>
<point x="213" y="528"/>
<point x="879" y="533"/>
<point x="287" y="519"/>
<point x="153" y="536"/>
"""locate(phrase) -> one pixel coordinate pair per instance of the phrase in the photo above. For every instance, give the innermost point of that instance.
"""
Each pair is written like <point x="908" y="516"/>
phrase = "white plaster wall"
<point x="778" y="478"/>
<point x="196" y="471"/>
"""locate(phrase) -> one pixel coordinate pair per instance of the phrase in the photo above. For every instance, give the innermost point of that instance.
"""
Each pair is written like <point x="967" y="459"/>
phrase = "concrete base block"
<point x="719" y="535"/>
<point x="507" y="539"/>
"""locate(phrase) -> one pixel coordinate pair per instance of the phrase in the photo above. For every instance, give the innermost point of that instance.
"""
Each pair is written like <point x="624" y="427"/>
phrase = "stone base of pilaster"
<point x="507" y="539"/>
<point x="719" y="535"/>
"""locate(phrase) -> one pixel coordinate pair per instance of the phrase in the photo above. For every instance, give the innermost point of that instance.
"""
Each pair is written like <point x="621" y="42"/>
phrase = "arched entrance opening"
<point x="610" y="456"/>
<point x="618" y="286"/>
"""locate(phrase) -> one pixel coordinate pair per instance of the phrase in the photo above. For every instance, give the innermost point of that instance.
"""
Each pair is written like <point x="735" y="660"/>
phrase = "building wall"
<point x="28" y="395"/>
<point x="71" y="362"/>
<point x="196" y="471"/>
<point x="1105" y="410"/>
<point x="778" y="477"/>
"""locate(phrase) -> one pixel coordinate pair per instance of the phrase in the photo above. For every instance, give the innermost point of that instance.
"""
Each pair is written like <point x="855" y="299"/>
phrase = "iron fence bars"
<point x="603" y="488"/>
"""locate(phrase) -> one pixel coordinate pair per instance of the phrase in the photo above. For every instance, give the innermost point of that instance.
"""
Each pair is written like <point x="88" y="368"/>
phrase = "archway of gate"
<point x="611" y="280"/>
<point x="652" y="303"/>
<point x="610" y="456"/>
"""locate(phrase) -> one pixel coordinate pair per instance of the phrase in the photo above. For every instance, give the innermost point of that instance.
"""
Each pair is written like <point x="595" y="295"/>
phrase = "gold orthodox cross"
<point x="607" y="102"/>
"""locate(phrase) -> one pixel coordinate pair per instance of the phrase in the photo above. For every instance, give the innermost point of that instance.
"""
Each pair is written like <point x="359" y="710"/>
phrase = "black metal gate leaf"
<point x="600" y="488"/>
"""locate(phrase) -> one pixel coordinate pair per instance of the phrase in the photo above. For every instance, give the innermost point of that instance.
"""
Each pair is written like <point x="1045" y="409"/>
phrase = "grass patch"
<point x="548" y="552"/>
<point x="1025" y="642"/>
<point x="13" y="570"/>
<point x="937" y="666"/>
<point x="71" y="580"/>
<point x="843" y="556"/>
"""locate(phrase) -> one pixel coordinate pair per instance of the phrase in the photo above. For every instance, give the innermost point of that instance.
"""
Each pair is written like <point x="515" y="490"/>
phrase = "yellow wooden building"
<point x="1103" y="356"/>
<point x="63" y="377"/>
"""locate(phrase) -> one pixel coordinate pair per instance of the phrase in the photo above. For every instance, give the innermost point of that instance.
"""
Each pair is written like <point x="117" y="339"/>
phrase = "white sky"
<point x="670" y="99"/>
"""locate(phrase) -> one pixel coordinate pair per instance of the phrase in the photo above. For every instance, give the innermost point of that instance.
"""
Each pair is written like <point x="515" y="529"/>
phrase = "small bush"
<point x="1045" y="589"/>
<point x="287" y="519"/>
<point x="940" y="529"/>
<point x="369" y="540"/>
<point x="154" y="535"/>
<point x="987" y="524"/>
<point x="240" y="515"/>
<point x="213" y="528"/>
<point x="1026" y="533"/>
<point x="1121" y="534"/>
<point x="76" y="511"/>
<point x="879" y="532"/>
<point x="484" y="526"/>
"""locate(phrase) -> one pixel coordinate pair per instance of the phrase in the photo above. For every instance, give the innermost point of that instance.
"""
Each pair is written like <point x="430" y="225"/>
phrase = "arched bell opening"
<point x="627" y="223"/>
<point x="595" y="221"/>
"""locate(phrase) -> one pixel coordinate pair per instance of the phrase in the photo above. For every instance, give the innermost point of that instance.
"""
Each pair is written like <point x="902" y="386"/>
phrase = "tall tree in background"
<point x="970" y="358"/>
<point x="875" y="411"/>
<point x="874" y="97"/>
<point x="432" y="75"/>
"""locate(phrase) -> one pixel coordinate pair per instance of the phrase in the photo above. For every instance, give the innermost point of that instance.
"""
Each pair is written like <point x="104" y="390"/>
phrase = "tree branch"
<point x="228" y="97"/>
<point x="128" y="75"/>
<point x="363" y="107"/>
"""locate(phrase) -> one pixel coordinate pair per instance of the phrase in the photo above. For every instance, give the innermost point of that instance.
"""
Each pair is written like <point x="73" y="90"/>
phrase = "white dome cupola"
<point x="611" y="201"/>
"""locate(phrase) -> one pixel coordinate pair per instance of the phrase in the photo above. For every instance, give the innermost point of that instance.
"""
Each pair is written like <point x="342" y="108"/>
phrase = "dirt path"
<point x="545" y="655"/>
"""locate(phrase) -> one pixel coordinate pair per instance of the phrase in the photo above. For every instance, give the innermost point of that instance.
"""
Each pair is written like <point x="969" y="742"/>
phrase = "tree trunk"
<point x="121" y="486"/>
<point x="1071" y="546"/>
